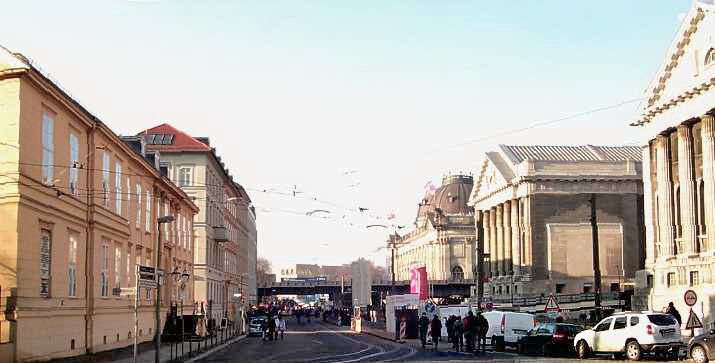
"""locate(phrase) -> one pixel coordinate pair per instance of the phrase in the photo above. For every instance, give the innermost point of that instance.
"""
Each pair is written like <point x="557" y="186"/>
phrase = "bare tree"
<point x="263" y="268"/>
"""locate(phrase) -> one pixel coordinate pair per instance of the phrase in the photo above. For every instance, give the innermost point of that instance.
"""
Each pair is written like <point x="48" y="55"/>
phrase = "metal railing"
<point x="192" y="345"/>
<point x="562" y="299"/>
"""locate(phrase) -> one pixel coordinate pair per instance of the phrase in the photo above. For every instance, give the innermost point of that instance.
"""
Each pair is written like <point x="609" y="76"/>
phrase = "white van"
<point x="506" y="327"/>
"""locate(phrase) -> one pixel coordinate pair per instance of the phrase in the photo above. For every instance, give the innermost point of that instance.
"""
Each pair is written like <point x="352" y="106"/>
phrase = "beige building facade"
<point x="443" y="237"/>
<point x="79" y="209"/>
<point x="679" y="171"/>
<point x="533" y="212"/>
<point x="225" y="225"/>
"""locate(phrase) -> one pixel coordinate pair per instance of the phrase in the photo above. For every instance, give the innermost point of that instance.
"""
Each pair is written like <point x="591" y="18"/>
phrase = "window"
<point x="48" y="149"/>
<point x="649" y="281"/>
<point x="694" y="278"/>
<point x="185" y="176"/>
<point x="560" y="288"/>
<point x="634" y="321"/>
<point x="457" y="273"/>
<point x="117" y="266"/>
<point x="105" y="178"/>
<point x="74" y="163"/>
<point x="45" y="261"/>
<point x="709" y="56"/>
<point x="620" y="323"/>
<point x="118" y="186"/>
<point x="604" y="325"/>
<point x="166" y="225"/>
<point x="148" y="212"/>
<point x="139" y="206"/>
<point x="615" y="286"/>
<point x="72" y="266"/>
<point x="662" y="319"/>
<point x="129" y="265"/>
<point x="129" y="199"/>
<point x="148" y="263"/>
<point x="587" y="288"/>
<point x="104" y="271"/>
<point x="670" y="279"/>
<point x="138" y="260"/>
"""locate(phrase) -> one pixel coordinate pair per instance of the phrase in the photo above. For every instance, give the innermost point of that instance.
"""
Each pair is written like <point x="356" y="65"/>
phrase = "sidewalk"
<point x="146" y="352"/>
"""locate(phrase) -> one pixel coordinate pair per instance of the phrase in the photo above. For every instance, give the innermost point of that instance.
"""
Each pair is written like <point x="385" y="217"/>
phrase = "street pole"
<point x="596" y="259"/>
<point x="480" y="260"/>
<point x="157" y="338"/>
<point x="392" y="268"/>
<point x="136" y="311"/>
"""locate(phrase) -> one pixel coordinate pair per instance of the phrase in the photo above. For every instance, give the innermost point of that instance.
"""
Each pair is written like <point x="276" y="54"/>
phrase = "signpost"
<point x="690" y="298"/>
<point x="146" y="278"/>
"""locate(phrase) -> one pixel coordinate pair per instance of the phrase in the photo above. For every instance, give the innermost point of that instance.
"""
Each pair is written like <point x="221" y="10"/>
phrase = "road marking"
<point x="317" y="341"/>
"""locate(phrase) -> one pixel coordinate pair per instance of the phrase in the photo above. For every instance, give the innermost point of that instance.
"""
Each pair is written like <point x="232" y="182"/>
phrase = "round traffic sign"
<point x="690" y="297"/>
<point x="430" y="308"/>
<point x="490" y="306"/>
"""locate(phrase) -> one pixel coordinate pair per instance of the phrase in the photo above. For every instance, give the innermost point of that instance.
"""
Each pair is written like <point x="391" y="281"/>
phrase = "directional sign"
<point x="690" y="297"/>
<point x="552" y="304"/>
<point x="693" y="321"/>
<point x="127" y="291"/>
<point x="147" y="283"/>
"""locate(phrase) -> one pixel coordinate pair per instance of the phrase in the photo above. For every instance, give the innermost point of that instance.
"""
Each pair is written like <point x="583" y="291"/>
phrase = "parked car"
<point x="548" y="339"/>
<point x="255" y="326"/>
<point x="632" y="333"/>
<point x="701" y="348"/>
<point x="506" y="328"/>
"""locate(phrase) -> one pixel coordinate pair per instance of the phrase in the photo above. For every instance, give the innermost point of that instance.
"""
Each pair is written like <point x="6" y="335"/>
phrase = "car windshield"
<point x="661" y="319"/>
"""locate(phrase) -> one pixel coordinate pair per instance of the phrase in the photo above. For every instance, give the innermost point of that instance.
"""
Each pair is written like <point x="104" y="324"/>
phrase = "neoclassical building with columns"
<point x="679" y="170"/>
<point x="443" y="238"/>
<point x="532" y="215"/>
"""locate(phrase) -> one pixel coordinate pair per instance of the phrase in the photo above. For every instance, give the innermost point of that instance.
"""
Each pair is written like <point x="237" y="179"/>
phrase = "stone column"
<point x="515" y="245"/>
<point x="500" y="239"/>
<point x="486" y="225"/>
<point x="665" y="195"/>
<point x="507" y="240"/>
<point x="708" y="136"/>
<point x="527" y="259"/>
<point x="493" y="241"/>
<point x="648" y="206"/>
<point x="686" y="172"/>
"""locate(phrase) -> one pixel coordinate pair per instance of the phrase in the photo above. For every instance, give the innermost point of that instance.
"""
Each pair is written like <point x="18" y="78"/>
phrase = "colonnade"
<point x="507" y="236"/>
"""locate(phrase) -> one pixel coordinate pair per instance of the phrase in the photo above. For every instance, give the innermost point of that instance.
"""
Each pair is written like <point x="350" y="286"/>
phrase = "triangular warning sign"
<point x="551" y="304"/>
<point x="693" y="321"/>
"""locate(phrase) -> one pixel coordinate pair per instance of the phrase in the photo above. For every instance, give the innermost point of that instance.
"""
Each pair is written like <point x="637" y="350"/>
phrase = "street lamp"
<point x="157" y="326"/>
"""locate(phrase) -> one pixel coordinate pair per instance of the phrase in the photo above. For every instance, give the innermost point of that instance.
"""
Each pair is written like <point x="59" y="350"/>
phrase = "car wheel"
<point x="633" y="350"/>
<point x="698" y="354"/>
<point x="582" y="350"/>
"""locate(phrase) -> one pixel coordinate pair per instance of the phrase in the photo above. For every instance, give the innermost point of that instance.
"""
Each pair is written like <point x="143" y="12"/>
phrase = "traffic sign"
<point x="690" y="297"/>
<point x="693" y="321"/>
<point x="552" y="304"/>
<point x="430" y="308"/>
<point x="490" y="306"/>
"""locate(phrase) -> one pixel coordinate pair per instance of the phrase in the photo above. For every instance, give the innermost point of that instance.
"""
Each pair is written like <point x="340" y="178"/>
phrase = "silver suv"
<point x="632" y="333"/>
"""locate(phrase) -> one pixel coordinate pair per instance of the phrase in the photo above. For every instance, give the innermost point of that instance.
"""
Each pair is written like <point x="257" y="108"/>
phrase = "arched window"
<point x="457" y="273"/>
<point x="710" y="56"/>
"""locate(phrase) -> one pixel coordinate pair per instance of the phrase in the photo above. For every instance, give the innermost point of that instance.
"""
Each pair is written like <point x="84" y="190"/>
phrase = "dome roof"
<point x="451" y="197"/>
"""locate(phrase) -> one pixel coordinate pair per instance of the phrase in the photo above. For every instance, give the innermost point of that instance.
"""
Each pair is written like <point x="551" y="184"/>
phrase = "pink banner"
<point x="418" y="282"/>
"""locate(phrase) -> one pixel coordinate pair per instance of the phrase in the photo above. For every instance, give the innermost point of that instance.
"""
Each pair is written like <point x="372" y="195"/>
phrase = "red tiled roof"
<point x="181" y="142"/>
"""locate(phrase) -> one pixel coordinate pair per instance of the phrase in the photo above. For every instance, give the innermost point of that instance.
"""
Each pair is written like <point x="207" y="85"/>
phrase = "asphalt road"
<point x="324" y="343"/>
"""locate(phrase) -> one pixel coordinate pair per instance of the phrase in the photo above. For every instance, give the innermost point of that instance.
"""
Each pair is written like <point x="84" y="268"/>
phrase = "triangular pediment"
<point x="689" y="64"/>
<point x="495" y="174"/>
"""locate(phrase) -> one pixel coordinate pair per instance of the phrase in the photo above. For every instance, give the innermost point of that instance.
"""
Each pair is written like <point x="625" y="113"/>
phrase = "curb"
<point x="379" y="336"/>
<point x="214" y="349"/>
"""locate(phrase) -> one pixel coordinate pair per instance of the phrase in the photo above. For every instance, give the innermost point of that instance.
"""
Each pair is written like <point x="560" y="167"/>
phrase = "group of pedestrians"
<point x="469" y="333"/>
<point x="274" y="327"/>
<point x="434" y="328"/>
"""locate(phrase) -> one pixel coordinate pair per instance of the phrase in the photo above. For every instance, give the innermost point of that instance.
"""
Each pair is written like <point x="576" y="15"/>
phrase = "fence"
<point x="191" y="345"/>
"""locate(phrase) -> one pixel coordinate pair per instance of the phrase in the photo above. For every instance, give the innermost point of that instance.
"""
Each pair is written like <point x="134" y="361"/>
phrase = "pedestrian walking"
<point x="424" y="325"/>
<point x="281" y="325"/>
<point x="436" y="331"/>
<point x="483" y="325"/>
<point x="458" y="328"/>
<point x="450" y="329"/>
<point x="471" y="328"/>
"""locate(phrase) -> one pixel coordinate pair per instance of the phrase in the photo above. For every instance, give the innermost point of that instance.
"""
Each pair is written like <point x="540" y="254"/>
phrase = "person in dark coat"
<point x="450" y="329"/>
<point x="468" y="323"/>
<point x="674" y="312"/>
<point x="482" y="331"/>
<point x="457" y="340"/>
<point x="424" y="326"/>
<point x="436" y="331"/>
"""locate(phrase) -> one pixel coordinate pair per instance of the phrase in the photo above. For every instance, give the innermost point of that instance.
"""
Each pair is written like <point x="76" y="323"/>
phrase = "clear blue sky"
<point x="296" y="92"/>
